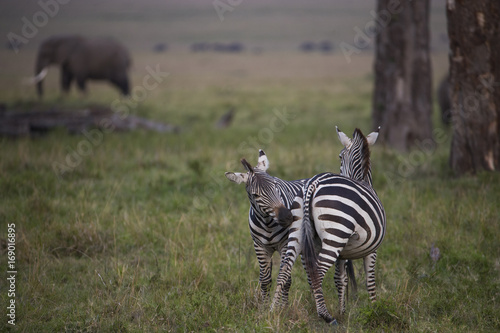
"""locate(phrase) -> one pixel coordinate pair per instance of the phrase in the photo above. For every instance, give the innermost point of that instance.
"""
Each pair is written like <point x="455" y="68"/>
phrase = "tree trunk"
<point x="473" y="28"/>
<point x="402" y="100"/>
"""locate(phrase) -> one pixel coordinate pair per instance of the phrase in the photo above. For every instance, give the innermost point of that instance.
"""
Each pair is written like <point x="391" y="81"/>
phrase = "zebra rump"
<point x="343" y="230"/>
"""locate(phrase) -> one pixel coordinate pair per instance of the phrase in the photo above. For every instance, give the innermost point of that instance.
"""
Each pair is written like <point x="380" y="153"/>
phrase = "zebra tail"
<point x="352" y="277"/>
<point x="308" y="233"/>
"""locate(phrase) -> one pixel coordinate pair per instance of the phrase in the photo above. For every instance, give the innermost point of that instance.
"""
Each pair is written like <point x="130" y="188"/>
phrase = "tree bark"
<point x="402" y="99"/>
<point x="474" y="30"/>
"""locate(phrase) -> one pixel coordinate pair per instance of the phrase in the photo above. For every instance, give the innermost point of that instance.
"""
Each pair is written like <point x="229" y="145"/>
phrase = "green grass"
<point x="146" y="234"/>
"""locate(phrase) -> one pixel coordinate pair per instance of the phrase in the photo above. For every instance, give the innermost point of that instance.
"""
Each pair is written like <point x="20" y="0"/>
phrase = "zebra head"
<point x="261" y="188"/>
<point x="355" y="157"/>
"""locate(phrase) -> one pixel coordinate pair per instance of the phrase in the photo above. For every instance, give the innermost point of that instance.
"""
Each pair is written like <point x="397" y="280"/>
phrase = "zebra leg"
<point x="369" y="264"/>
<point x="288" y="283"/>
<point x="341" y="281"/>
<point x="283" y="281"/>
<point x="292" y="250"/>
<point x="326" y="259"/>
<point x="265" y="270"/>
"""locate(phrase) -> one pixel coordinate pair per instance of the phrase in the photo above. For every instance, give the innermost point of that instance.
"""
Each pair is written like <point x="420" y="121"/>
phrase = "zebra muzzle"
<point x="284" y="216"/>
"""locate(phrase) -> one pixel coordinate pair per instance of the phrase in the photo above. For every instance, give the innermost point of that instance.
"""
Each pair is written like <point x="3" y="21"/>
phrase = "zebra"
<point x="270" y="202"/>
<point x="345" y="213"/>
<point x="270" y="198"/>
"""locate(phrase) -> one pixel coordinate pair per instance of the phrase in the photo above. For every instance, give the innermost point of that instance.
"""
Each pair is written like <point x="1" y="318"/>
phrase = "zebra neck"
<point x="366" y="178"/>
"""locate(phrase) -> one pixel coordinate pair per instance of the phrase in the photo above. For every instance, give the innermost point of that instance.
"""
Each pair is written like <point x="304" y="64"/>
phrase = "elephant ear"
<point x="65" y="48"/>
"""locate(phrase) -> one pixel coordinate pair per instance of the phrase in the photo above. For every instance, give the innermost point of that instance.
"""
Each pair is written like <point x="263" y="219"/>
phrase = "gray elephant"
<point x="81" y="59"/>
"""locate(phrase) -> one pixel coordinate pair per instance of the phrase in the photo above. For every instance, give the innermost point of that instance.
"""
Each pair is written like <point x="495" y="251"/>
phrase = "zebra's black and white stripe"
<point x="345" y="214"/>
<point x="269" y="197"/>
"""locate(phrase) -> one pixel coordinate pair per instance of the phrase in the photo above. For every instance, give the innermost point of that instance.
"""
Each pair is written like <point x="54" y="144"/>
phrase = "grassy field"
<point x="145" y="233"/>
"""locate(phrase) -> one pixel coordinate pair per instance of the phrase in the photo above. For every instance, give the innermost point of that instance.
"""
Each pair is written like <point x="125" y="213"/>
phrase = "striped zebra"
<point x="269" y="197"/>
<point x="345" y="214"/>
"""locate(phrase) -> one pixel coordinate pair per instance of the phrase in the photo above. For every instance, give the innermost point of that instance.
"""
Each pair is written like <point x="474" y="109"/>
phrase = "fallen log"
<point x="36" y="122"/>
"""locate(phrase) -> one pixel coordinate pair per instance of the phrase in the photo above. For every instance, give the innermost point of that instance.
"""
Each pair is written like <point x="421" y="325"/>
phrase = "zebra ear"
<point x="263" y="163"/>
<point x="247" y="165"/>
<point x="344" y="139"/>
<point x="372" y="137"/>
<point x="237" y="177"/>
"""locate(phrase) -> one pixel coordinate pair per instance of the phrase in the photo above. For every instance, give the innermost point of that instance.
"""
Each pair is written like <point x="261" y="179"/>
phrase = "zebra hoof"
<point x="334" y="322"/>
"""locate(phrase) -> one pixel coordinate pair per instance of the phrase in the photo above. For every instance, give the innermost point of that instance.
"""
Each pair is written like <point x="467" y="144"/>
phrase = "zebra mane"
<point x="359" y="140"/>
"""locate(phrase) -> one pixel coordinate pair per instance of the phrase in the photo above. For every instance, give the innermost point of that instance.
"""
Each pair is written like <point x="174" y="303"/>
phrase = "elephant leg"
<point x="125" y="87"/>
<point x="81" y="82"/>
<point x="122" y="84"/>
<point x="66" y="78"/>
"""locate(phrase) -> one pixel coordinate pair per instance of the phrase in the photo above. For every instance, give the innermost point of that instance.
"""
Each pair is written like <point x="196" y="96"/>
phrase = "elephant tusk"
<point x="39" y="77"/>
